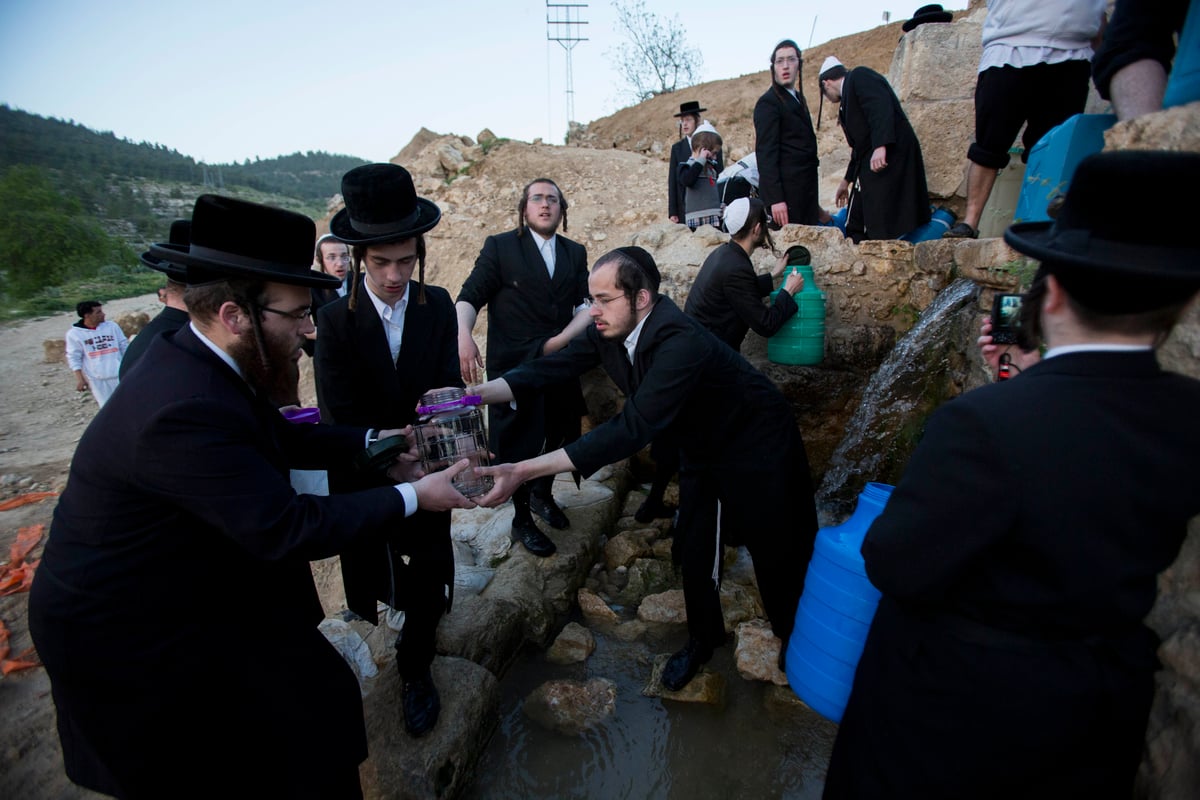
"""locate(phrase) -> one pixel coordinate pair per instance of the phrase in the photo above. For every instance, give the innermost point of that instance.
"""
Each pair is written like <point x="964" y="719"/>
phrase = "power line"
<point x="563" y="21"/>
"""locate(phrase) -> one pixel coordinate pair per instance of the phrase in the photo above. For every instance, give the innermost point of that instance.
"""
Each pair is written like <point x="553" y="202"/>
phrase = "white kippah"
<point x="705" y="126"/>
<point x="735" y="215"/>
<point x="829" y="63"/>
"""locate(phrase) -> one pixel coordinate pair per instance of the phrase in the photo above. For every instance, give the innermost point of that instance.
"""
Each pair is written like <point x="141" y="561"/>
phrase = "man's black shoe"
<point x="684" y="665"/>
<point x="547" y="509"/>
<point x="421" y="705"/>
<point x="652" y="510"/>
<point x="534" y="540"/>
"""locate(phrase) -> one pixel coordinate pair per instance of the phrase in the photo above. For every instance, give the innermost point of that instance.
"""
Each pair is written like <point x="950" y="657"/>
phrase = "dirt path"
<point x="41" y="420"/>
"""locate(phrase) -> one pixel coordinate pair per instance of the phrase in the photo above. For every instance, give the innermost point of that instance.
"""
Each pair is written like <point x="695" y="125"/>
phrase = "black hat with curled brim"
<point x="180" y="235"/>
<point x="690" y="107"/>
<point x="930" y="13"/>
<point x="1103" y="256"/>
<point x="382" y="206"/>
<point x="236" y="239"/>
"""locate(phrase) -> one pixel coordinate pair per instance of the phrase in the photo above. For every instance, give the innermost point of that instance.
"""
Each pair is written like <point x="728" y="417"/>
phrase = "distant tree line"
<point x="72" y="148"/>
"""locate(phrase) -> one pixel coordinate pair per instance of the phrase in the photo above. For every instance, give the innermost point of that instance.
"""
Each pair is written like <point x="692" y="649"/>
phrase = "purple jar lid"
<point x="303" y="415"/>
<point x="469" y="400"/>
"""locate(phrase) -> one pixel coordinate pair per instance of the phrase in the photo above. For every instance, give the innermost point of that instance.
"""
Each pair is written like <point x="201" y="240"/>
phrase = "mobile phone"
<point x="1006" y="318"/>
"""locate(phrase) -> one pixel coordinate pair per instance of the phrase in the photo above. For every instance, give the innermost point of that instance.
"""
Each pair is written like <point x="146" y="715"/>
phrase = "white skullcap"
<point x="736" y="214"/>
<point x="829" y="63"/>
<point x="705" y="126"/>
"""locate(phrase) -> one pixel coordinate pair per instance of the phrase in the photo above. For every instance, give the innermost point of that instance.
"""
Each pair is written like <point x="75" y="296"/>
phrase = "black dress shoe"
<point x="684" y="665"/>
<point x="652" y="510"/>
<point x="534" y="540"/>
<point x="547" y="509"/>
<point x="420" y="704"/>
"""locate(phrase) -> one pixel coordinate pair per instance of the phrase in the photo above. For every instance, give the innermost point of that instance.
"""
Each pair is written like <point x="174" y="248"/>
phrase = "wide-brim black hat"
<point x="1104" y="257"/>
<point x="382" y="206"/>
<point x="235" y="239"/>
<point x="690" y="107"/>
<point x="930" y="13"/>
<point x="180" y="235"/>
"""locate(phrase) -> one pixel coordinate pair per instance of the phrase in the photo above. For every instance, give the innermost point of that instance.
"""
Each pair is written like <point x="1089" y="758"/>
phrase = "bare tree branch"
<point x="655" y="58"/>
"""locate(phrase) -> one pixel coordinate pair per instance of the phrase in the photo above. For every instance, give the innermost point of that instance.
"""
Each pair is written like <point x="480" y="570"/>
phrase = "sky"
<point x="226" y="80"/>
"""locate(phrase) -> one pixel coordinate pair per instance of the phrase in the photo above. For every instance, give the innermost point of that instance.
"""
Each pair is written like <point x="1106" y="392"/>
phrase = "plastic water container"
<point x="1052" y="162"/>
<point x="801" y="340"/>
<point x="939" y="222"/>
<point x="1183" y="84"/>
<point x="835" y="611"/>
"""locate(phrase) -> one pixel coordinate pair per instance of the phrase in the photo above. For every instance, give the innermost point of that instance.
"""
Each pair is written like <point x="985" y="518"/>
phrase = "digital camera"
<point x="1006" y="318"/>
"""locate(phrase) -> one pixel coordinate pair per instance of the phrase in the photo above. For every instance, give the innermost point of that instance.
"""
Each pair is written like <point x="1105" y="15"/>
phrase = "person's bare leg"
<point x="980" y="181"/>
<point x="1138" y="89"/>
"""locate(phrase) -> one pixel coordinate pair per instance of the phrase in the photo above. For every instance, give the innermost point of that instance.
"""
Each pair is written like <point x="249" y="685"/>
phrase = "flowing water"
<point x="761" y="743"/>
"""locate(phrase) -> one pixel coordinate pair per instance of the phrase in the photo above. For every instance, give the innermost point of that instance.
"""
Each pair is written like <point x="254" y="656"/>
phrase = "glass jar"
<point x="450" y="429"/>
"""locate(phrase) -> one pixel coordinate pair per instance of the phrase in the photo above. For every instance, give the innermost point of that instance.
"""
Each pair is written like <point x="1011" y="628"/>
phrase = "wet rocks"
<point x="571" y="707"/>
<point x="707" y="687"/>
<point x="574" y="644"/>
<point x="757" y="653"/>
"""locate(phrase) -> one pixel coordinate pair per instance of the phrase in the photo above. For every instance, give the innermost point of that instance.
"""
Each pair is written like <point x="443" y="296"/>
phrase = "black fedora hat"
<point x="180" y="235"/>
<point x="1104" y="257"/>
<point x="930" y="13"/>
<point x="690" y="107"/>
<point x="235" y="239"/>
<point x="382" y="206"/>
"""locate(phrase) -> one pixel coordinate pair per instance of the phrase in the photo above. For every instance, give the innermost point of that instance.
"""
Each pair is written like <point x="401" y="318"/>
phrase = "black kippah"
<point x="645" y="261"/>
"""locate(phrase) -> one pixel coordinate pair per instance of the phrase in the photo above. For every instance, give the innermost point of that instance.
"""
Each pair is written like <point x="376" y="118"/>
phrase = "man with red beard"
<point x="534" y="283"/>
<point x="174" y="608"/>
<point x="742" y="461"/>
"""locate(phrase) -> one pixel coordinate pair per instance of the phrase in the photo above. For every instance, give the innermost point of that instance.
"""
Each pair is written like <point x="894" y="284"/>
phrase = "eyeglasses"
<point x="602" y="302"/>
<point x="298" y="316"/>
<point x="786" y="60"/>
<point x="538" y="199"/>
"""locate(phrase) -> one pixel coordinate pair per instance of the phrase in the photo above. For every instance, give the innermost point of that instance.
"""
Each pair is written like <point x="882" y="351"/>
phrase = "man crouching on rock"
<point x="174" y="608"/>
<point x="741" y="455"/>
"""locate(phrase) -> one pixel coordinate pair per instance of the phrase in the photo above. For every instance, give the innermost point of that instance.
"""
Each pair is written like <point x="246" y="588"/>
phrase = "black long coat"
<point x="727" y="297"/>
<point x="166" y="321"/>
<point x="895" y="200"/>
<point x="359" y="384"/>
<point x="525" y="308"/>
<point x="785" y="146"/>
<point x="174" y="607"/>
<point x="738" y="442"/>
<point x="1017" y="558"/>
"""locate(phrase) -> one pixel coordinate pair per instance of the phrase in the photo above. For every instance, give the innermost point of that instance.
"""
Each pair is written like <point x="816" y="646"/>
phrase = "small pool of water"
<point x="762" y="743"/>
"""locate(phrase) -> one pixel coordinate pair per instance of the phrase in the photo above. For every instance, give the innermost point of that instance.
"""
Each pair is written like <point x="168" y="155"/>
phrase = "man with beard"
<point x="174" y="608"/>
<point x="742" y="461"/>
<point x="534" y="283"/>
<point x="727" y="294"/>
<point x="786" y="145"/>
<point x="382" y="346"/>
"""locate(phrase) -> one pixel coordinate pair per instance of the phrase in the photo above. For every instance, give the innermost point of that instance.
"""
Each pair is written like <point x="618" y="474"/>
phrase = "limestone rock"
<point x="624" y="548"/>
<point x="739" y="603"/>
<point x="707" y="687"/>
<point x="757" y="653"/>
<point x="1175" y="128"/>
<point x="131" y="323"/>
<point x="574" y="644"/>
<point x="571" y="707"/>
<point x="648" y="576"/>
<point x="595" y="611"/>
<point x="667" y="607"/>
<point x="54" y="351"/>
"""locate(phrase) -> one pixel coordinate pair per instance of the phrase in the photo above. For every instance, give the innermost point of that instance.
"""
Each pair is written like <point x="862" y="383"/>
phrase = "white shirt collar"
<point x="380" y="305"/>
<point x="221" y="354"/>
<point x="1095" y="348"/>
<point x="632" y="339"/>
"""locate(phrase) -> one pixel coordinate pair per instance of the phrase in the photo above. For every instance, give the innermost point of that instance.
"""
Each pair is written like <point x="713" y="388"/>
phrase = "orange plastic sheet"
<point x="25" y="499"/>
<point x="17" y="574"/>
<point x="8" y="665"/>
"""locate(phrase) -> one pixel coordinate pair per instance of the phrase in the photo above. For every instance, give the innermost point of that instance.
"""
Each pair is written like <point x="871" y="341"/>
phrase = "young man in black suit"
<point x="785" y="144"/>
<point x="174" y="607"/>
<point x="174" y="316"/>
<point x="742" y="460"/>
<point x="534" y="283"/>
<point x="382" y="346"/>
<point x="1020" y="552"/>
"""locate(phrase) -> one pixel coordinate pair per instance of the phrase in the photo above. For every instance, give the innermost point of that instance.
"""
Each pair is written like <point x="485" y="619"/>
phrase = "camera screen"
<point x="1006" y="318"/>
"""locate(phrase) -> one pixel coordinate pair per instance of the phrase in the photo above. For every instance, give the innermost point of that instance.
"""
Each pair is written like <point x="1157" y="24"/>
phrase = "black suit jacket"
<point x="168" y="320"/>
<point x="525" y="308"/>
<point x="727" y="294"/>
<point x="359" y="384"/>
<point x="785" y="146"/>
<point x="1017" y="558"/>
<point x="175" y="596"/>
